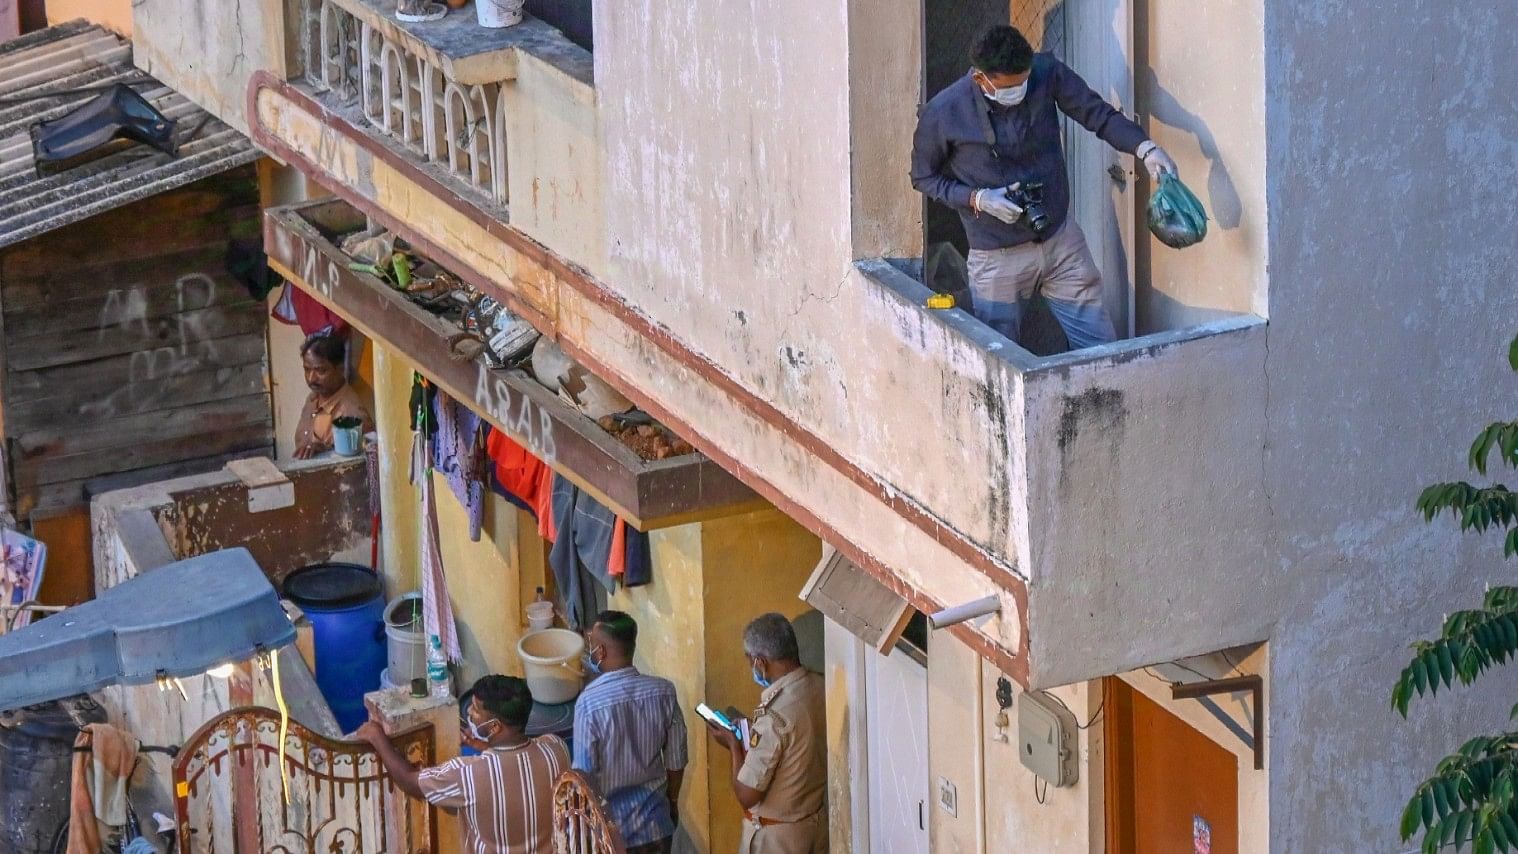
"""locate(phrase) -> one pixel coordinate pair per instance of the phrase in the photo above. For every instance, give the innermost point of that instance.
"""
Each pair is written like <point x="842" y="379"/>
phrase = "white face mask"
<point x="1012" y="96"/>
<point x="474" y="730"/>
<point x="1008" y="97"/>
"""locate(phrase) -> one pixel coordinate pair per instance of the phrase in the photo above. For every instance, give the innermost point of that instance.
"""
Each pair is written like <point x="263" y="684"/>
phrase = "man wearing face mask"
<point x="504" y="796"/>
<point x="629" y="737"/>
<point x="989" y="146"/>
<point x="780" y="776"/>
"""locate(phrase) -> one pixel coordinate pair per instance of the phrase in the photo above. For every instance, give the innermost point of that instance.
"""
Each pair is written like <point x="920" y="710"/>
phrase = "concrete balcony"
<point x="1132" y="486"/>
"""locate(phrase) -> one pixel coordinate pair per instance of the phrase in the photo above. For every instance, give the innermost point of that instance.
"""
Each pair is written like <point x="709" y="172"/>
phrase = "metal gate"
<point x="228" y="793"/>
<point x="580" y="825"/>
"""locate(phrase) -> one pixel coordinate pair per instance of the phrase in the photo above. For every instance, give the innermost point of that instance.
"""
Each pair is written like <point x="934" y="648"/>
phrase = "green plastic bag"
<point x="1176" y="216"/>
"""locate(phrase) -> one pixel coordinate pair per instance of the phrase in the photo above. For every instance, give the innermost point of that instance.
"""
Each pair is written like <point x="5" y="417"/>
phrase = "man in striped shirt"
<point x="630" y="737"/>
<point x="504" y="796"/>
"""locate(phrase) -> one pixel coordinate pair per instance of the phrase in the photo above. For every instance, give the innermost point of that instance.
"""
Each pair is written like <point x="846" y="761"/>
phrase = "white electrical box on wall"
<point x="1046" y="741"/>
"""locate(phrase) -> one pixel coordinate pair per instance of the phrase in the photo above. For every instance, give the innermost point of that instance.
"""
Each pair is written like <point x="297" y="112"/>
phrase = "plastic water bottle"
<point x="437" y="668"/>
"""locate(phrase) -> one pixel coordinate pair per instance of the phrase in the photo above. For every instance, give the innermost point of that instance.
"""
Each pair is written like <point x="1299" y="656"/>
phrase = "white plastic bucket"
<point x="406" y="649"/>
<point x="540" y="615"/>
<point x="499" y="13"/>
<point x="551" y="658"/>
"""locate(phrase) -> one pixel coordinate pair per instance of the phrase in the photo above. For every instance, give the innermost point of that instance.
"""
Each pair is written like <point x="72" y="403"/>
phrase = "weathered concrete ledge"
<point x="470" y="54"/>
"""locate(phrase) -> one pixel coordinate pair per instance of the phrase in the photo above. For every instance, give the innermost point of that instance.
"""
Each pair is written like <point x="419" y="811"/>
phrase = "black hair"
<point x="1002" y="50"/>
<point x="505" y="698"/>
<point x="327" y="346"/>
<point x="621" y="628"/>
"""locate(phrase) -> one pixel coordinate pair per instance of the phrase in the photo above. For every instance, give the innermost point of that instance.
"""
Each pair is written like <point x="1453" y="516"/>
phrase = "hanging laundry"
<point x="437" y="607"/>
<point x="578" y="600"/>
<point x="518" y="472"/>
<point x="631" y="559"/>
<point x="591" y="537"/>
<point x="98" y="794"/>
<point x="458" y="455"/>
<point x="616" y="562"/>
<point x="547" y="529"/>
<point x="639" y="567"/>
<point x="298" y="308"/>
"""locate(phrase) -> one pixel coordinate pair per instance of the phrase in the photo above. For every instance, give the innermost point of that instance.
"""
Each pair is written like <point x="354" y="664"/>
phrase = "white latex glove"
<point x="1156" y="161"/>
<point x="994" y="201"/>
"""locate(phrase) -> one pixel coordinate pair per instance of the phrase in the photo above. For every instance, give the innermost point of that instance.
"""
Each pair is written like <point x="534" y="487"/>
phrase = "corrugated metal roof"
<point x="80" y="55"/>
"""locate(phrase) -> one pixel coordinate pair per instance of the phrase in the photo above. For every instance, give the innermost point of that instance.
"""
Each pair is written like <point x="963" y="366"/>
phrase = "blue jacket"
<point x="964" y="142"/>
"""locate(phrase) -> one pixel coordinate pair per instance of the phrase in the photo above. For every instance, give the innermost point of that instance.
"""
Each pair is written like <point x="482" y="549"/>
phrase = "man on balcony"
<point x="629" y="737"/>
<point x="989" y="147"/>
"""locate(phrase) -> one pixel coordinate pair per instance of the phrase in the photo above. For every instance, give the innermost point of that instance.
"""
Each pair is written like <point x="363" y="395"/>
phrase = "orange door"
<point x="1170" y="789"/>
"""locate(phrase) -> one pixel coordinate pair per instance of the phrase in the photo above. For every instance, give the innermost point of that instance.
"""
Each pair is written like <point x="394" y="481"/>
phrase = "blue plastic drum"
<point x="346" y="606"/>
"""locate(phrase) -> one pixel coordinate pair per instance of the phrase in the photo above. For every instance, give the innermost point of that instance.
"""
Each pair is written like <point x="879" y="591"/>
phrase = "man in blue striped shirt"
<point x="629" y="737"/>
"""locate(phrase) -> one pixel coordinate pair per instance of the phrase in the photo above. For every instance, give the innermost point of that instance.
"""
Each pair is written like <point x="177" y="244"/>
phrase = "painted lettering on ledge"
<point x="517" y="413"/>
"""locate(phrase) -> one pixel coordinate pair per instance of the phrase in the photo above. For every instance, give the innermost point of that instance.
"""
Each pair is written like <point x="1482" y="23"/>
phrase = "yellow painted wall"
<point x="710" y="579"/>
<point x="671" y="644"/>
<point x="398" y="501"/>
<point x="115" y="15"/>
<point x="488" y="579"/>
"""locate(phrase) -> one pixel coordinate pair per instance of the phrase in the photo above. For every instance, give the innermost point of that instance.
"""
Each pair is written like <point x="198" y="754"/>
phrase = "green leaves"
<point x="1470" y="643"/>
<point x="1502" y="435"/>
<point x="1471" y="801"/>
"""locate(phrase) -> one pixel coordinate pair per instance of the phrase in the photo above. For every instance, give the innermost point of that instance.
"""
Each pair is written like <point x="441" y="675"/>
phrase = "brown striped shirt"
<point x="504" y="797"/>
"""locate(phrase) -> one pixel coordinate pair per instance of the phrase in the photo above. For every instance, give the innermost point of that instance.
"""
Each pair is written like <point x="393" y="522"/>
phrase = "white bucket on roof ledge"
<point x="499" y="13"/>
<point x="551" y="659"/>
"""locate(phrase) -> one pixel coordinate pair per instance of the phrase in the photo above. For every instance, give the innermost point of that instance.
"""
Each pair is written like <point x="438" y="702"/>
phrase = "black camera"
<point x="1030" y="197"/>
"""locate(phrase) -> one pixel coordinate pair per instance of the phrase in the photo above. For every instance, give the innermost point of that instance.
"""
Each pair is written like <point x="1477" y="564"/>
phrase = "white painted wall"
<point x="729" y="222"/>
<point x="998" y="808"/>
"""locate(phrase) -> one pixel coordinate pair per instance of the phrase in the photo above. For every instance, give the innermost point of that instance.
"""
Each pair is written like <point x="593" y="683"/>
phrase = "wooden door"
<point x="1169" y="788"/>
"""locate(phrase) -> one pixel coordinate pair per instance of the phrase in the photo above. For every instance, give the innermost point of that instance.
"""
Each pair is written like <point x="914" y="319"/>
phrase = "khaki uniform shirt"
<point x="787" y="761"/>
<point x="316" y="416"/>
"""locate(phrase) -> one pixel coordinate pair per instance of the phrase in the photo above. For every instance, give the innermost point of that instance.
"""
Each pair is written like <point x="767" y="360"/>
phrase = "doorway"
<point x="896" y="689"/>
<point x="1169" y="788"/>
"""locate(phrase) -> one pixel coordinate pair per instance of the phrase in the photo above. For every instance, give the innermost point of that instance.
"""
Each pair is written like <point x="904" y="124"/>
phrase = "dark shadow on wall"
<point x="1223" y="203"/>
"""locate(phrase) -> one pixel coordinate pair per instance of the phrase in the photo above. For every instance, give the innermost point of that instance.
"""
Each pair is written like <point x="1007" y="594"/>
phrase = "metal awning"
<point x="45" y="75"/>
<point x="177" y="620"/>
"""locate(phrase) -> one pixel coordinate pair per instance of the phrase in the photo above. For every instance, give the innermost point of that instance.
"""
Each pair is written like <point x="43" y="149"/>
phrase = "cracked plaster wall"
<point x="1393" y="144"/>
<point x="731" y="220"/>
<point x="208" y="51"/>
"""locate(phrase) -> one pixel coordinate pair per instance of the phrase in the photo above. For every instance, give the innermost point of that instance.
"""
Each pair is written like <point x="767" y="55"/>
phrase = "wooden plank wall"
<point x="130" y="352"/>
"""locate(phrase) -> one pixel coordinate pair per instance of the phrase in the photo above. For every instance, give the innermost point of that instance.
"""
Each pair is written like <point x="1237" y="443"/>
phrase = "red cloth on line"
<point x="616" y="562"/>
<point x="297" y="307"/>
<point x="518" y="471"/>
<point x="544" y="506"/>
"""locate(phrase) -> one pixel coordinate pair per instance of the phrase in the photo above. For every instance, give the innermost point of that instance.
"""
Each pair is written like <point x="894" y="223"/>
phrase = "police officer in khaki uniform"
<point x="780" y="775"/>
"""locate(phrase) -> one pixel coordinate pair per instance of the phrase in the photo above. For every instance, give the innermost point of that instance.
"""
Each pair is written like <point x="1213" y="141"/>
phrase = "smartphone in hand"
<point x="711" y="715"/>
